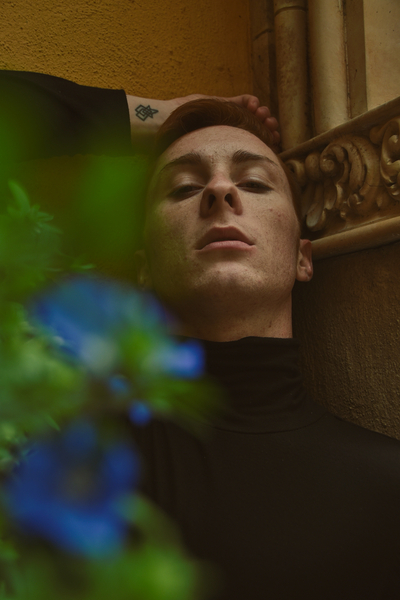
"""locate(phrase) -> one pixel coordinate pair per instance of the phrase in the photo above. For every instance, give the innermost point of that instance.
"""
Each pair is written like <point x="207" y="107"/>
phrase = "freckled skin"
<point x="224" y="293"/>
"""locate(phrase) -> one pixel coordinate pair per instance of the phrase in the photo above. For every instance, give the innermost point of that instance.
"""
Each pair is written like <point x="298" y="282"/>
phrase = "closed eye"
<point x="254" y="186"/>
<point x="184" y="190"/>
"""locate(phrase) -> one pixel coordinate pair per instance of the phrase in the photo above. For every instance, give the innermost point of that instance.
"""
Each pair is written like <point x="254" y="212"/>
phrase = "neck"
<point x="261" y="385"/>
<point x="226" y="323"/>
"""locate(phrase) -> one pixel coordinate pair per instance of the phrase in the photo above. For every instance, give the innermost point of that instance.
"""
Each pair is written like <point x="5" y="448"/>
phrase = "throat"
<point x="261" y="384"/>
<point x="225" y="322"/>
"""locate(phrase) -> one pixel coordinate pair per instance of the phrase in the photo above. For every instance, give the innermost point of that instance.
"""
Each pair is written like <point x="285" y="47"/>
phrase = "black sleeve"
<point x="43" y="116"/>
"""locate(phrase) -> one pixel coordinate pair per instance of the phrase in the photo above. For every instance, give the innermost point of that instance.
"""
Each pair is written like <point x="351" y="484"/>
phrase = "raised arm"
<point x="43" y="116"/>
<point x="146" y="116"/>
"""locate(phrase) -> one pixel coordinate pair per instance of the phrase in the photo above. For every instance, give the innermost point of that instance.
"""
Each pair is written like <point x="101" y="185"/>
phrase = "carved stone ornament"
<point x="350" y="179"/>
<point x="387" y="137"/>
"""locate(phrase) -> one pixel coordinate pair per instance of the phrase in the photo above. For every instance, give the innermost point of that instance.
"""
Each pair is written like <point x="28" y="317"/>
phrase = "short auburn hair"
<point x="210" y="112"/>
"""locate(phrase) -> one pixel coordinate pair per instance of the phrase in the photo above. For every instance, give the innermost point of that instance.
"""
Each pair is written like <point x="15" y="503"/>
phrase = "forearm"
<point x="43" y="116"/>
<point x="146" y="116"/>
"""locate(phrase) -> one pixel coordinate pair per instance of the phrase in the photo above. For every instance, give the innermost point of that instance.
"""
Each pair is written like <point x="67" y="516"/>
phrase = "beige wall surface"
<point x="348" y="321"/>
<point x="382" y="50"/>
<point x="150" y="48"/>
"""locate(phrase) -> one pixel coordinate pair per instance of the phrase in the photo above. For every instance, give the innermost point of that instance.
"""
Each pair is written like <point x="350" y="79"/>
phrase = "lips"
<point x="223" y="234"/>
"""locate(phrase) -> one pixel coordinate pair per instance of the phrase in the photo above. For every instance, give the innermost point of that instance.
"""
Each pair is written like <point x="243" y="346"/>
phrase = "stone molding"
<point x="350" y="180"/>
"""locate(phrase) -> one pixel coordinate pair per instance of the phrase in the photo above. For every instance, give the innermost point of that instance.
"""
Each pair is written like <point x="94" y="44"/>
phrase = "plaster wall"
<point x="382" y="50"/>
<point x="150" y="48"/>
<point x="348" y="321"/>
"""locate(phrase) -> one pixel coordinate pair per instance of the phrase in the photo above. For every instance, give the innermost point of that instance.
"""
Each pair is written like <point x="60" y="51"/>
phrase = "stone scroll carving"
<point x="388" y="137"/>
<point x="353" y="180"/>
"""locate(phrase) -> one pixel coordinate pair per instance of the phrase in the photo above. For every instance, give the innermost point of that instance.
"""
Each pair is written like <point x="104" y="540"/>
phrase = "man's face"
<point x="220" y="221"/>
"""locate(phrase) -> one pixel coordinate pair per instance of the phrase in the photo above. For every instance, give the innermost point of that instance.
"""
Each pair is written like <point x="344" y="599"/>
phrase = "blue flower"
<point x="86" y="316"/>
<point x="68" y="491"/>
<point x="184" y="360"/>
<point x="119" y="385"/>
<point x="140" y="413"/>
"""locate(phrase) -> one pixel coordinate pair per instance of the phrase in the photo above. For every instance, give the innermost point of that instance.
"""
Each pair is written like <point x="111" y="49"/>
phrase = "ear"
<point x="304" y="261"/>
<point x="143" y="276"/>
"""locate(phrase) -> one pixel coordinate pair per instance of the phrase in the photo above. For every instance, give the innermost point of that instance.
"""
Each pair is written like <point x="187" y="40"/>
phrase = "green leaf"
<point x="52" y="422"/>
<point x="21" y="197"/>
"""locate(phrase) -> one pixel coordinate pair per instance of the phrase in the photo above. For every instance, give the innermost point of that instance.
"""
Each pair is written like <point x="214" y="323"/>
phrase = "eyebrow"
<point x="191" y="158"/>
<point x="241" y="156"/>
<point x="195" y="159"/>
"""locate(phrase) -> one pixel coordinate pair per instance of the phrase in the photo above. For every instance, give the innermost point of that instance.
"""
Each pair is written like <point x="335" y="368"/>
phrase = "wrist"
<point x="146" y="115"/>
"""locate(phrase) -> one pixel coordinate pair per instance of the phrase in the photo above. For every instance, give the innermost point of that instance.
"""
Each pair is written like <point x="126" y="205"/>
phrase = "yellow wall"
<point x="150" y="48"/>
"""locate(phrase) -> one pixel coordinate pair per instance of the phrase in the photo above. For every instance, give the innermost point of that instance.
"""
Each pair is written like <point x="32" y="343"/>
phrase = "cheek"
<point x="283" y="223"/>
<point x="281" y="239"/>
<point x="164" y="237"/>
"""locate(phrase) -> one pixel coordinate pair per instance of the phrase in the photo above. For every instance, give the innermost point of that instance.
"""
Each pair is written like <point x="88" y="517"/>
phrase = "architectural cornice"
<point x="350" y="180"/>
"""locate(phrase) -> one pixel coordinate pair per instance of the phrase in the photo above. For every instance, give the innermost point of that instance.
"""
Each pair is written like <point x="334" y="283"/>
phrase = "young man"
<point x="288" y="502"/>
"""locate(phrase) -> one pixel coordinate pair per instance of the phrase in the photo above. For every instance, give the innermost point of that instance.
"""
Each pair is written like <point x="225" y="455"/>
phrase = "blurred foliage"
<point x="76" y="347"/>
<point x="97" y="201"/>
<point x="36" y="387"/>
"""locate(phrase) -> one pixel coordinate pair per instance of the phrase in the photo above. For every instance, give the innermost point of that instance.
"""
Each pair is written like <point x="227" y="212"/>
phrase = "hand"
<point x="262" y="113"/>
<point x="248" y="101"/>
<point x="158" y="111"/>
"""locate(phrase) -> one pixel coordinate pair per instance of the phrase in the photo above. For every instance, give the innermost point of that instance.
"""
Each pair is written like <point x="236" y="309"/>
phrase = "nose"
<point x="220" y="194"/>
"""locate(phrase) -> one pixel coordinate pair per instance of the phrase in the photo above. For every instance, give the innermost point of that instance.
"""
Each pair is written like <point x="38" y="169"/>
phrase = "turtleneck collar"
<point x="263" y="385"/>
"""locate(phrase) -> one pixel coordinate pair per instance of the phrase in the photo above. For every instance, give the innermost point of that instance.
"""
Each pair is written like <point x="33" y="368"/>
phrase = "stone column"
<point x="263" y="53"/>
<point x="292" y="79"/>
<point x="355" y="39"/>
<point x="328" y="63"/>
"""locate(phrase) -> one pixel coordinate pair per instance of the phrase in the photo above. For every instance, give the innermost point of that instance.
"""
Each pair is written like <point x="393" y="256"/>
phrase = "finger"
<point x="252" y="103"/>
<point x="272" y="123"/>
<point x="247" y="101"/>
<point x="263" y="113"/>
<point x="276" y="137"/>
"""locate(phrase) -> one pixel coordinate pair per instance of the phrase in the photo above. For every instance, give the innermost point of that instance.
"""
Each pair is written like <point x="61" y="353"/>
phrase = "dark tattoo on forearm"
<point x="143" y="112"/>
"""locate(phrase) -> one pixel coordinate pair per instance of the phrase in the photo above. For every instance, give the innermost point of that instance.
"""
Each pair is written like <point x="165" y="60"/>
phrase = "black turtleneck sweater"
<point x="287" y="500"/>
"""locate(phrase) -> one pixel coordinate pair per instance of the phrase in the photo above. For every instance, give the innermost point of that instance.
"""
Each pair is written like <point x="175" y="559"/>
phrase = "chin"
<point x="228" y="283"/>
<point x="234" y="276"/>
<point x="219" y="282"/>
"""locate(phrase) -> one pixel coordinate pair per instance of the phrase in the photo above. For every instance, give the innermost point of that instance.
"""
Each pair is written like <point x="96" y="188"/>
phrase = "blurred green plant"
<point x="37" y="388"/>
<point x="74" y="348"/>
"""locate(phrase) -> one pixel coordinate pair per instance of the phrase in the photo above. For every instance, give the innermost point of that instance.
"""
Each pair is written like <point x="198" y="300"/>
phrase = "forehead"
<point x="217" y="143"/>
